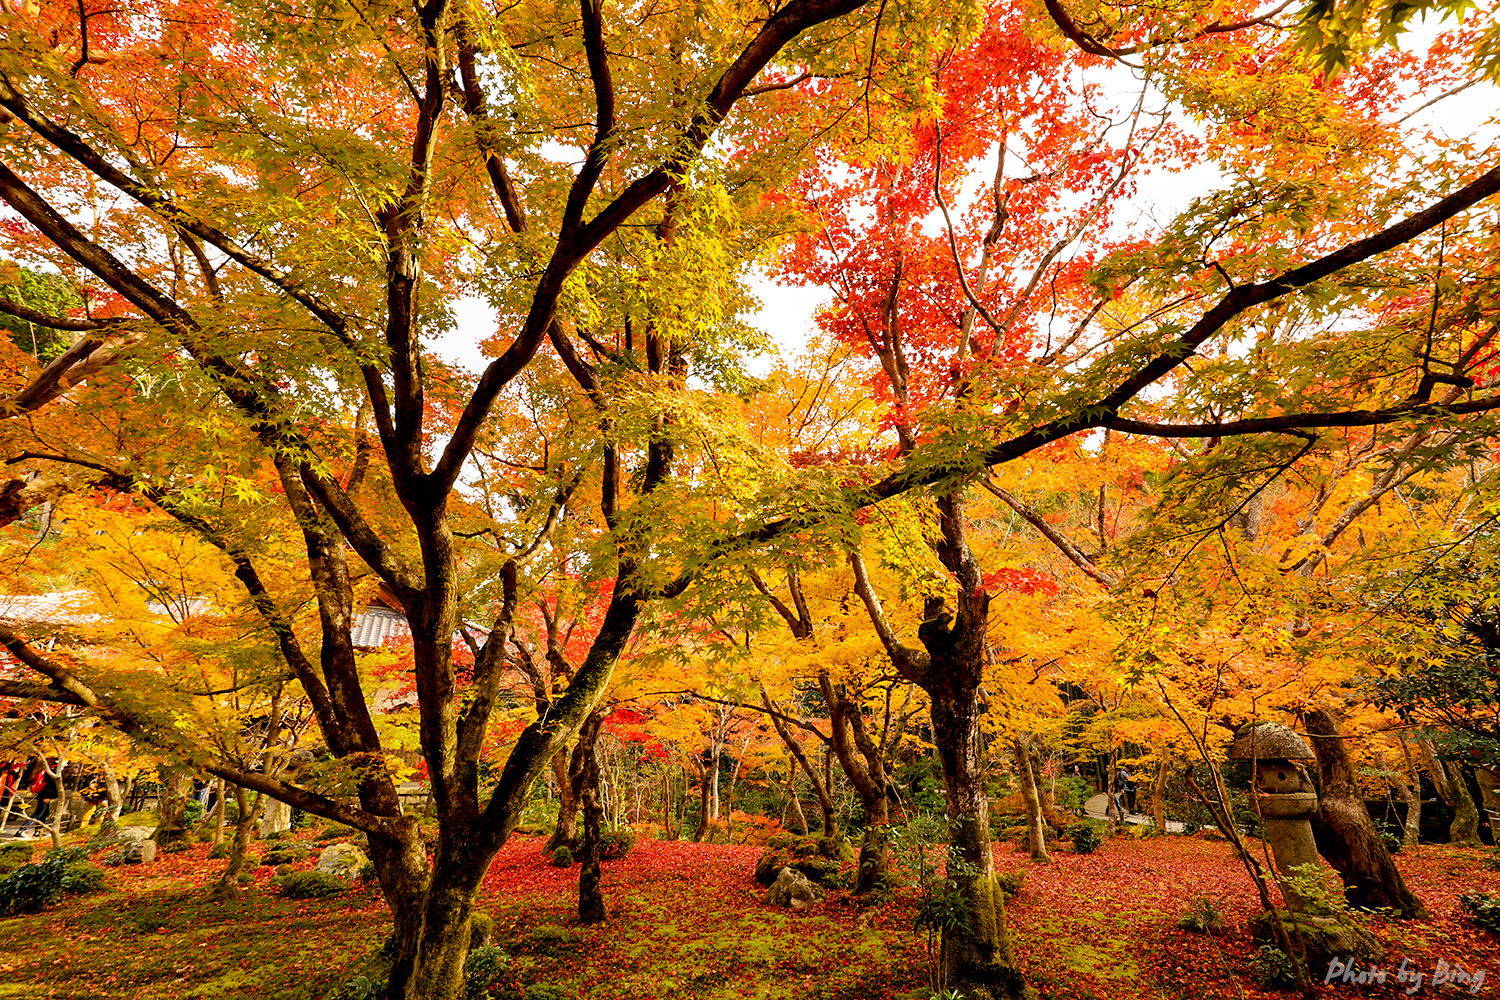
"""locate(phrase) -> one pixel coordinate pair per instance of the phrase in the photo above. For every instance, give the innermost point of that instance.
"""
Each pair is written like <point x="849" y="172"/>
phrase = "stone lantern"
<point x="1284" y="795"/>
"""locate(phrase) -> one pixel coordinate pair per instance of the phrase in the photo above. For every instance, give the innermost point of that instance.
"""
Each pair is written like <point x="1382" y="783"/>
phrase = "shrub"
<point x="562" y="857"/>
<point x="309" y="885"/>
<point x="1203" y="917"/>
<point x="1009" y="884"/>
<point x="819" y="858"/>
<point x="615" y="844"/>
<point x="1483" y="909"/>
<point x="1273" y="969"/>
<point x="1086" y="837"/>
<point x="484" y="966"/>
<point x="481" y="930"/>
<point x="219" y="850"/>
<point x="285" y="855"/>
<point x="192" y="812"/>
<point x="548" y="939"/>
<point x="285" y="869"/>
<point x="31" y="887"/>
<point x="80" y="877"/>
<point x="1492" y="862"/>
<point x="359" y="988"/>
<point x="367" y="872"/>
<point x="334" y="831"/>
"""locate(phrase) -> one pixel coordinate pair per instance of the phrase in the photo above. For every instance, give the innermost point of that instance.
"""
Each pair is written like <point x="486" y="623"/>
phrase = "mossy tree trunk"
<point x="1345" y="835"/>
<point x="1448" y="779"/>
<point x="1036" y="830"/>
<point x="978" y="958"/>
<point x="171" y="806"/>
<point x="248" y="808"/>
<point x="591" y="908"/>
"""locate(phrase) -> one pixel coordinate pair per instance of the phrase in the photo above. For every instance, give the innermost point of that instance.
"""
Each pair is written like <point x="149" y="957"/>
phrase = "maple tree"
<point x="285" y="235"/>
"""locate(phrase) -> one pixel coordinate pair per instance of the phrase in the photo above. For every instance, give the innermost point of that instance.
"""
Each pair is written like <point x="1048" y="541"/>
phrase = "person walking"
<point x="45" y="787"/>
<point x="1124" y="792"/>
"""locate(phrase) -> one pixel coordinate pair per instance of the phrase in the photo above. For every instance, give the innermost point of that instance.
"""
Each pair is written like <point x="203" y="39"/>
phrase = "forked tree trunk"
<point x="1448" y="779"/>
<point x="1345" y="835"/>
<point x="978" y="959"/>
<point x="1036" y="831"/>
<point x="248" y="815"/>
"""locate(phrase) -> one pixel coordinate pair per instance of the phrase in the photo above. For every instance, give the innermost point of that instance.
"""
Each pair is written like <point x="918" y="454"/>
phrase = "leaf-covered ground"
<point x="688" y="921"/>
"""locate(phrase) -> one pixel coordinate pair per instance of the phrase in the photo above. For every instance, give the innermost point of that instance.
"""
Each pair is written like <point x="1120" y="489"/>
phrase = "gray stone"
<point x="1270" y="741"/>
<point x="794" y="889"/>
<point x="127" y="834"/>
<point x="140" y="852"/>
<point x="343" y="860"/>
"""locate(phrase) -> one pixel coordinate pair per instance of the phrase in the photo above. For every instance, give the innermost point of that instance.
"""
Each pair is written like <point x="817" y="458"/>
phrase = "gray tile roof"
<point x="375" y="624"/>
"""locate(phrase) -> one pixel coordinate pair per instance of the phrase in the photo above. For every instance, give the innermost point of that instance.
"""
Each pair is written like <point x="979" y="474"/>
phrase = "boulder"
<point x="343" y="860"/>
<point x="126" y="834"/>
<point x="140" y="852"/>
<point x="793" y="889"/>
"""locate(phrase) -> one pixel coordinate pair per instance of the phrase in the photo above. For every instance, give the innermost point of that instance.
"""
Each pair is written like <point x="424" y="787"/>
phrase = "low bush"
<point x="1086" y="837"/>
<point x="219" y="850"/>
<point x="284" y="855"/>
<point x="615" y="844"/>
<point x="1483" y="909"/>
<point x="31" y="888"/>
<point x="80" y="878"/>
<point x="309" y="885"/>
<point x="1274" y="970"/>
<point x="484" y="966"/>
<point x="1009" y="884"/>
<point x="562" y="857"/>
<point x="1202" y="917"/>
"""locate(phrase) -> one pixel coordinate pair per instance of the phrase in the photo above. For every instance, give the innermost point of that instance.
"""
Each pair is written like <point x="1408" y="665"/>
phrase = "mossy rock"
<point x="1324" y="937"/>
<point x="219" y="850"/>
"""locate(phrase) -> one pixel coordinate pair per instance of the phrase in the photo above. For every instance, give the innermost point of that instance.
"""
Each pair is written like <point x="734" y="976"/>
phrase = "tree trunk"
<point x="1411" y="794"/>
<point x="666" y="804"/>
<point x="1159" y="796"/>
<point x="1111" y="794"/>
<point x="590" y="898"/>
<point x="219" y="813"/>
<point x="799" y="818"/>
<point x="1449" y="781"/>
<point x="171" y="807"/>
<point x="1489" y="798"/>
<point x="1036" y="831"/>
<point x="228" y="885"/>
<point x="702" y="827"/>
<point x="1345" y="835"/>
<point x="978" y="959"/>
<point x="568" y="770"/>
